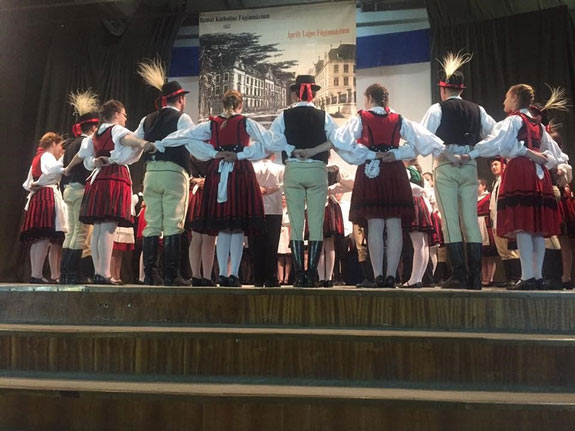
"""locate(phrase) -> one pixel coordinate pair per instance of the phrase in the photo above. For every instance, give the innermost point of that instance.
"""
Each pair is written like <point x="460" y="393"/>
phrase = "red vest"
<point x="37" y="164"/>
<point x="232" y="136"/>
<point x="380" y="132"/>
<point x="531" y="132"/>
<point x="103" y="143"/>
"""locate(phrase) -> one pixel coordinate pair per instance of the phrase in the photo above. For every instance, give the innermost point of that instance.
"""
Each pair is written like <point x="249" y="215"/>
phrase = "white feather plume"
<point x="451" y="62"/>
<point x="557" y="100"/>
<point x="153" y="72"/>
<point x="83" y="102"/>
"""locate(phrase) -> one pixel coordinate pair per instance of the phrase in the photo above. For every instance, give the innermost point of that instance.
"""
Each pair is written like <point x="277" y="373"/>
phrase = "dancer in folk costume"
<point x="303" y="132"/>
<point x="526" y="207"/>
<point x="232" y="203"/>
<point x="107" y="201"/>
<point x="166" y="182"/>
<point x="45" y="220"/>
<point x="460" y="124"/>
<point x="284" y="258"/>
<point x="202" y="245"/>
<point x="420" y="228"/>
<point x="381" y="197"/>
<point x="86" y="108"/>
<point x="489" y="250"/>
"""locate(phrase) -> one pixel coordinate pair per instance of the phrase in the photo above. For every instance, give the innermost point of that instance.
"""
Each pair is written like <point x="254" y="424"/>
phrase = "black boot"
<point x="457" y="263"/>
<point x="172" y="254"/>
<point x="297" y="254"/>
<point x="150" y="246"/>
<point x="74" y="258"/>
<point x="474" y="265"/>
<point x="64" y="266"/>
<point x="515" y="266"/>
<point x="313" y="254"/>
<point x="367" y="275"/>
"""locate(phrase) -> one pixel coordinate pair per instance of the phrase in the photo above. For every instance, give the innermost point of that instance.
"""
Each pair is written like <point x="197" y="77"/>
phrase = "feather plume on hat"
<point x="452" y="62"/>
<point x="83" y="102"/>
<point x="557" y="101"/>
<point x="153" y="72"/>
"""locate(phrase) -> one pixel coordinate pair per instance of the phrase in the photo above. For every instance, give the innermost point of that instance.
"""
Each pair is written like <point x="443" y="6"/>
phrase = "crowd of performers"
<point x="217" y="182"/>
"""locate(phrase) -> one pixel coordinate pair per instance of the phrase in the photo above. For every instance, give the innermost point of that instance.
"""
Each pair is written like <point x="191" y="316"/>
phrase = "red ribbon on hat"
<point x="164" y="99"/>
<point x="309" y="92"/>
<point x="77" y="128"/>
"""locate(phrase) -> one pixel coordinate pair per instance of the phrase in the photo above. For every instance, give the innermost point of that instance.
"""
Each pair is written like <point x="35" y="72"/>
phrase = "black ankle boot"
<point x="64" y="264"/>
<point x="458" y="279"/>
<point x="73" y="267"/>
<point x="474" y="250"/>
<point x="313" y="255"/>
<point x="150" y="246"/>
<point x="172" y="253"/>
<point x="297" y="254"/>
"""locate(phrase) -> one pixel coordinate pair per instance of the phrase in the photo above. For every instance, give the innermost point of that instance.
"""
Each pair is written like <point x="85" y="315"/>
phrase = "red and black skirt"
<point x="109" y="197"/>
<point x="40" y="218"/>
<point x="526" y="203"/>
<point x="566" y="207"/>
<point x="333" y="220"/>
<point x="421" y="221"/>
<point x="243" y="209"/>
<point x="386" y="196"/>
<point x="436" y="237"/>
<point x="194" y="206"/>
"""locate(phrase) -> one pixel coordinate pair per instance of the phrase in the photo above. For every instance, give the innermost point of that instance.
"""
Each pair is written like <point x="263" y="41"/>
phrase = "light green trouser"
<point x="166" y="190"/>
<point x="75" y="238"/>
<point x="306" y="183"/>
<point x="456" y="195"/>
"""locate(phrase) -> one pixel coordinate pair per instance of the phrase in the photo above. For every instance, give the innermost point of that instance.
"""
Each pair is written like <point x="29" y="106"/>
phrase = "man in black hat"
<point x="166" y="182"/>
<point x="460" y="124"/>
<point x="300" y="129"/>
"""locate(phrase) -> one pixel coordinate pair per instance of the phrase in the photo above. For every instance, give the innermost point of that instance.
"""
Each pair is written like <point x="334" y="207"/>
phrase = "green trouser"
<point x="75" y="238"/>
<point x="166" y="190"/>
<point x="456" y="196"/>
<point x="306" y="183"/>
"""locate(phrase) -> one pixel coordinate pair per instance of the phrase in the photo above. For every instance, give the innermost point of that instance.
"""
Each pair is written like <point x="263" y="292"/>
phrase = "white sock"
<point x="94" y="248"/>
<point x="195" y="254"/>
<point x="321" y="263"/>
<point x="223" y="251"/>
<point x="208" y="245"/>
<point x="106" y="247"/>
<point x="394" y="244"/>
<point x="38" y="252"/>
<point x="538" y="256"/>
<point x="54" y="255"/>
<point x="329" y="256"/>
<point x="525" y="246"/>
<point x="433" y="256"/>
<point x="236" y="252"/>
<point x="420" y="256"/>
<point x="375" y="229"/>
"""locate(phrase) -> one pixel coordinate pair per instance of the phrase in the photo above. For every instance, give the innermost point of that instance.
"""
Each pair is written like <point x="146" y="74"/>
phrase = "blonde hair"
<point x="48" y="139"/>
<point x="525" y="93"/>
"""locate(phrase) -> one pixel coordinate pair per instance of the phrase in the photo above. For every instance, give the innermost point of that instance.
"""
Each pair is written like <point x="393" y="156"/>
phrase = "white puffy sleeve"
<point x="345" y="142"/>
<point x="262" y="139"/>
<point x="419" y="140"/>
<point x="503" y="140"/>
<point x="555" y="157"/>
<point x="86" y="153"/>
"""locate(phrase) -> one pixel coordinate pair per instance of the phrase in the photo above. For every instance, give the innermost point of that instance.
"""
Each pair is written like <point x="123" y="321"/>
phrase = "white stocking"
<point x="208" y="245"/>
<point x="38" y="252"/>
<point x="94" y="248"/>
<point x="538" y="256"/>
<point x="420" y="256"/>
<point x="54" y="256"/>
<point x="223" y="251"/>
<point x="106" y="246"/>
<point x="321" y="263"/>
<point x="433" y="256"/>
<point x="195" y="254"/>
<point x="394" y="244"/>
<point x="525" y="246"/>
<point x="236" y="252"/>
<point x="375" y="228"/>
<point x="329" y="253"/>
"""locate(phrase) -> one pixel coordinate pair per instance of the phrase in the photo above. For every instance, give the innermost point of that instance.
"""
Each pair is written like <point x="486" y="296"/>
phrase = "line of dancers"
<point x="227" y="203"/>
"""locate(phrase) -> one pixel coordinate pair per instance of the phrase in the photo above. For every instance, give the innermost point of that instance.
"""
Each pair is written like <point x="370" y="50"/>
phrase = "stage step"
<point x="59" y="402"/>
<point x="494" y="310"/>
<point x="312" y="353"/>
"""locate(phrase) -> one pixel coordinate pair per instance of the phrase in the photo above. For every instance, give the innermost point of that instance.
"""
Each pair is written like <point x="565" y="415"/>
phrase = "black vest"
<point x="78" y="173"/>
<point x="460" y="122"/>
<point x="305" y="128"/>
<point x="157" y="126"/>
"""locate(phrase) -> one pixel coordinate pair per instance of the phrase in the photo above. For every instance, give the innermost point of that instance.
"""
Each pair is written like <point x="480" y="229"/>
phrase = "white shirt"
<point x="418" y="140"/>
<point x="195" y="137"/>
<point x="504" y="142"/>
<point x="120" y="155"/>
<point x="270" y="175"/>
<point x="51" y="168"/>
<point x="184" y="122"/>
<point x="432" y="119"/>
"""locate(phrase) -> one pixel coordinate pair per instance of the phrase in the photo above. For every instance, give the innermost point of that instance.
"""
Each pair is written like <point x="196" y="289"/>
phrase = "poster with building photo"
<point x="260" y="51"/>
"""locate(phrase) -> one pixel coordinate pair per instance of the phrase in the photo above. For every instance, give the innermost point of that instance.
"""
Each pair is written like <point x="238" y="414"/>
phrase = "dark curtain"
<point x="48" y="52"/>
<point x="533" y="48"/>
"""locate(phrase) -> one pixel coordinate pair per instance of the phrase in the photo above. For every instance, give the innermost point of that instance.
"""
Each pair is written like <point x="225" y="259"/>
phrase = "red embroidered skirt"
<point x="244" y="208"/>
<point x="109" y="198"/>
<point x="333" y="220"/>
<point x="526" y="203"/>
<point x="567" y="213"/>
<point x="436" y="237"/>
<point x="421" y="221"/>
<point x="386" y="196"/>
<point x="40" y="218"/>
<point x="194" y="205"/>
